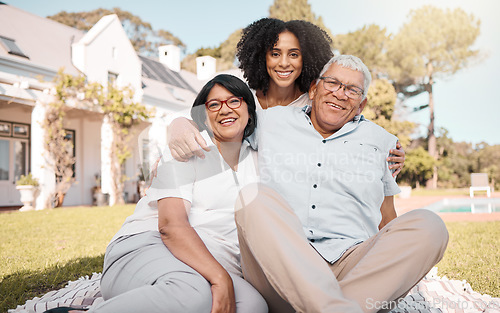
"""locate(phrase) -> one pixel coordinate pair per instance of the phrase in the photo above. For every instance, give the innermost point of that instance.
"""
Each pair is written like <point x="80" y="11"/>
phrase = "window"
<point x="21" y="131"/>
<point x="112" y="77"/>
<point x="5" y="129"/>
<point x="16" y="130"/>
<point x="11" y="47"/>
<point x="4" y="159"/>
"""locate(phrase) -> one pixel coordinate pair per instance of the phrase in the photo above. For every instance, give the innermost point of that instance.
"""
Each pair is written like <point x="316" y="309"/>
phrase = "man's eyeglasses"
<point x="333" y="85"/>
<point x="216" y="105"/>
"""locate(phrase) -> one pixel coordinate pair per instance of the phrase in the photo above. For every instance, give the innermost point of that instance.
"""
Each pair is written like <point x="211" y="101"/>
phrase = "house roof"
<point x="46" y="43"/>
<point x="98" y="28"/>
<point x="166" y="96"/>
<point x="47" y="47"/>
<point x="155" y="70"/>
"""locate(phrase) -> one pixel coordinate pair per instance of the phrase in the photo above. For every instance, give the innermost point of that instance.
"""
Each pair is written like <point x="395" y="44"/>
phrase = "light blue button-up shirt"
<point x="335" y="185"/>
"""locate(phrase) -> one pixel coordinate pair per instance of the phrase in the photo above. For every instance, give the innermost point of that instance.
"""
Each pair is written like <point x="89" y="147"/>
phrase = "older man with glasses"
<point x="320" y="232"/>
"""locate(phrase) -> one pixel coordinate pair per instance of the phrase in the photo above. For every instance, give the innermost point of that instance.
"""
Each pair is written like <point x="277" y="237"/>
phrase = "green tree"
<point x="288" y="10"/>
<point x="224" y="54"/>
<point x="433" y="44"/>
<point x="418" y="167"/>
<point x="455" y="161"/>
<point x="369" y="44"/>
<point x="380" y="108"/>
<point x="228" y="50"/>
<point x="486" y="159"/>
<point x="143" y="37"/>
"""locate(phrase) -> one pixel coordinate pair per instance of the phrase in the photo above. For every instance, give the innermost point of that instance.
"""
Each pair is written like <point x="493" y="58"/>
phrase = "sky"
<point x="465" y="103"/>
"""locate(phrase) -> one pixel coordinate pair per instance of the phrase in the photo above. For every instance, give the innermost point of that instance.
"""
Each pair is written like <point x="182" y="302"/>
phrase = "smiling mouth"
<point x="228" y="121"/>
<point x="333" y="105"/>
<point x="283" y="74"/>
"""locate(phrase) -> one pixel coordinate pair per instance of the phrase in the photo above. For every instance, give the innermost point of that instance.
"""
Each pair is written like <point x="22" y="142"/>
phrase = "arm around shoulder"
<point x="184" y="139"/>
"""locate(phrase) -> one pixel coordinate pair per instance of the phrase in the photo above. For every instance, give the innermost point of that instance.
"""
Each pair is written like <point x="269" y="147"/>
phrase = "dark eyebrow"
<point x="293" y="49"/>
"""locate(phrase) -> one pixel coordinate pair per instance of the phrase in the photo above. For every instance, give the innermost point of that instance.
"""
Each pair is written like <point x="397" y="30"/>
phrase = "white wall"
<point x="108" y="49"/>
<point x="15" y="113"/>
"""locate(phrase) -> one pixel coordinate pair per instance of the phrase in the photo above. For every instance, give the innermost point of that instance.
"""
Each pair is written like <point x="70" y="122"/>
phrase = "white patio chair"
<point x="479" y="182"/>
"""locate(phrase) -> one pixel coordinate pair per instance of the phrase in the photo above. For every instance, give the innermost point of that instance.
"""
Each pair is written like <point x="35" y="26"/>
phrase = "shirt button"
<point x="323" y="141"/>
<point x="315" y="186"/>
<point x="319" y="164"/>
<point x="311" y="240"/>
<point x="313" y="206"/>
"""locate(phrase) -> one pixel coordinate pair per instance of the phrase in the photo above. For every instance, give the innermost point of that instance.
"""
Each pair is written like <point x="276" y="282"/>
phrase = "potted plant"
<point x="28" y="187"/>
<point x="98" y="198"/>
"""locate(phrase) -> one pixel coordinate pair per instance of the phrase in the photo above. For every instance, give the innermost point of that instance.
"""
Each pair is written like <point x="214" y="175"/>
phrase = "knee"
<point x="191" y="290"/>
<point x="430" y="229"/>
<point x="254" y="304"/>
<point x="259" y="306"/>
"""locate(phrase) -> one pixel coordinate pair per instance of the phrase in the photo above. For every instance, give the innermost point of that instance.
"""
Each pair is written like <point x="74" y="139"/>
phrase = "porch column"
<point x="107" y="159"/>
<point x="157" y="139"/>
<point x="41" y="162"/>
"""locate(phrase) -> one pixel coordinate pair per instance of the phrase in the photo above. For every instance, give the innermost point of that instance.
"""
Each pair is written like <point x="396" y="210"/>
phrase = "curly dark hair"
<point x="261" y="36"/>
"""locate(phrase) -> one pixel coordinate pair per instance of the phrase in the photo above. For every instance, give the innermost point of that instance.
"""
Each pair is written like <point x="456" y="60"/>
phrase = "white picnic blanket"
<point x="433" y="294"/>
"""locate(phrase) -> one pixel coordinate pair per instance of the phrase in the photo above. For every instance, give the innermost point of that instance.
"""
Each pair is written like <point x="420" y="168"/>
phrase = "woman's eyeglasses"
<point x="216" y="105"/>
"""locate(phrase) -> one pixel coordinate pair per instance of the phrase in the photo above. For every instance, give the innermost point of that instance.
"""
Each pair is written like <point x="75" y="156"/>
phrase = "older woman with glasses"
<point x="178" y="252"/>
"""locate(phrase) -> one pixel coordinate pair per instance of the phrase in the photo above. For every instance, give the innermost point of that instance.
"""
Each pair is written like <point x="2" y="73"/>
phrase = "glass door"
<point x="4" y="160"/>
<point x="13" y="164"/>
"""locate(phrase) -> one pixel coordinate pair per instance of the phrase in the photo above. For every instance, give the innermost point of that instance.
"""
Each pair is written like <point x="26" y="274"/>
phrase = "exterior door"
<point x="13" y="164"/>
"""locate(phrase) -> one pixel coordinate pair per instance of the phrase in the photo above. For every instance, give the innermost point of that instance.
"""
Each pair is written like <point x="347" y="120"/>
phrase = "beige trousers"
<point x="279" y="262"/>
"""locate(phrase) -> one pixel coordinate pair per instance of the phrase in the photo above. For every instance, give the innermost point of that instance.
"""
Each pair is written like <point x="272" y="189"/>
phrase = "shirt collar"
<point x="357" y="118"/>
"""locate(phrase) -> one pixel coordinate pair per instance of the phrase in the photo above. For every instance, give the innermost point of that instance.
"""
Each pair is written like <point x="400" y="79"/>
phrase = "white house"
<point x="32" y="50"/>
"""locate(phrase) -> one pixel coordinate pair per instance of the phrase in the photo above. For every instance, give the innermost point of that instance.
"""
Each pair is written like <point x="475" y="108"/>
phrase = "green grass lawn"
<point x="42" y="250"/>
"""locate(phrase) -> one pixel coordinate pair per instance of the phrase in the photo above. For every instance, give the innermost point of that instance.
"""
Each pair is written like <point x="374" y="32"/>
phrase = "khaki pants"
<point x="279" y="262"/>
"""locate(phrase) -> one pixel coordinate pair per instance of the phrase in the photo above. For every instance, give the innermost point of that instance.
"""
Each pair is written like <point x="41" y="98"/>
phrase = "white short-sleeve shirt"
<point x="212" y="188"/>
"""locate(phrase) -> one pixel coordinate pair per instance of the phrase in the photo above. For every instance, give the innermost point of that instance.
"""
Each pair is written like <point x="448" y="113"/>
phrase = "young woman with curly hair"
<point x="280" y="60"/>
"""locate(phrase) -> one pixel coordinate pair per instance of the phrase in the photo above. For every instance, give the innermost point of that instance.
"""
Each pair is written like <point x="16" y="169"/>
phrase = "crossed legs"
<point x="141" y="275"/>
<point x="279" y="262"/>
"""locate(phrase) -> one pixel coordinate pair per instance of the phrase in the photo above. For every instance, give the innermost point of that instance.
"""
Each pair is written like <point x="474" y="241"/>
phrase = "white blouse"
<point x="212" y="188"/>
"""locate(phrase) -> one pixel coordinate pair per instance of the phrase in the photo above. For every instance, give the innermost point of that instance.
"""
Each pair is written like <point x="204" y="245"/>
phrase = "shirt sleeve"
<point x="173" y="179"/>
<point x="391" y="188"/>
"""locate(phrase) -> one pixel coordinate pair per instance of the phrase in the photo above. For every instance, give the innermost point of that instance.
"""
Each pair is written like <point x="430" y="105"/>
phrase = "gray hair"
<point x="351" y="62"/>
